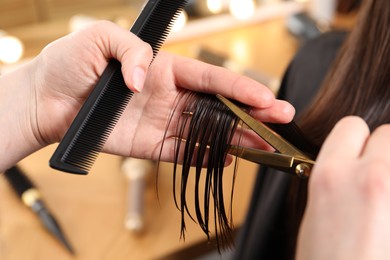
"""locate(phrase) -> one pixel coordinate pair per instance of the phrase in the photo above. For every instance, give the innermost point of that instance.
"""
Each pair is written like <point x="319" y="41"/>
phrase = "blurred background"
<point x="256" y="38"/>
<point x="26" y="26"/>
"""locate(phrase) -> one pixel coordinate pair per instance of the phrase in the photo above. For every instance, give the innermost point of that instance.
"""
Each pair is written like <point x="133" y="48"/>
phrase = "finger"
<point x="203" y="77"/>
<point x="378" y="143"/>
<point x="346" y="140"/>
<point x="280" y="112"/>
<point x="134" y="54"/>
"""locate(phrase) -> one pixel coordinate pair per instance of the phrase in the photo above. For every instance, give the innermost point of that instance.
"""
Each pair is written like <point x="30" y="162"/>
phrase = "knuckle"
<point x="325" y="177"/>
<point x="141" y="48"/>
<point x="375" y="182"/>
<point x="384" y="128"/>
<point x="147" y="49"/>
<point x="206" y="80"/>
<point x="99" y="25"/>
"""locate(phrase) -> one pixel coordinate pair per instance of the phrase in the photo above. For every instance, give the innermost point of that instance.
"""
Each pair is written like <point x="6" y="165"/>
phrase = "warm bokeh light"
<point x="11" y="49"/>
<point x="124" y="22"/>
<point x="80" y="21"/>
<point x="242" y="9"/>
<point x="180" y="22"/>
<point x="214" y="6"/>
<point x="240" y="50"/>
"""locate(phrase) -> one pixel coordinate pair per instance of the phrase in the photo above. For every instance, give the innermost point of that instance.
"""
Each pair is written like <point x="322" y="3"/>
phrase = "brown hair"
<point x="359" y="81"/>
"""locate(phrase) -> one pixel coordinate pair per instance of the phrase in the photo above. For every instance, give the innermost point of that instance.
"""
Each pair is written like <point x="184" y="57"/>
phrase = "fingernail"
<point x="138" y="78"/>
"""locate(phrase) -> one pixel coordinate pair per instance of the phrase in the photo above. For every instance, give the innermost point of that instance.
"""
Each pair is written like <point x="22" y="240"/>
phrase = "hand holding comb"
<point x="96" y="119"/>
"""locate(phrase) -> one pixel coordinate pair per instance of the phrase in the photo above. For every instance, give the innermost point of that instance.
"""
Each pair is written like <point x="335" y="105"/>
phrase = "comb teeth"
<point x="158" y="26"/>
<point x="101" y="111"/>
<point x="88" y="142"/>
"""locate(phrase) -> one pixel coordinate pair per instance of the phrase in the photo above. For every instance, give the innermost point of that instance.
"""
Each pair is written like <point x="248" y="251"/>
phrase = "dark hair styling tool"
<point x="31" y="197"/>
<point x="87" y="134"/>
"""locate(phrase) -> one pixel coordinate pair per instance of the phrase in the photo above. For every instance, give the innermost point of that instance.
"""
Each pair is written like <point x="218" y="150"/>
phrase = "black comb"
<point x="96" y="119"/>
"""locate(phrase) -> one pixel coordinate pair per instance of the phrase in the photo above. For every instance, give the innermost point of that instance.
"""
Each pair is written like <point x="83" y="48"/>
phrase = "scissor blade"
<point x="271" y="137"/>
<point x="262" y="157"/>
<point x="282" y="162"/>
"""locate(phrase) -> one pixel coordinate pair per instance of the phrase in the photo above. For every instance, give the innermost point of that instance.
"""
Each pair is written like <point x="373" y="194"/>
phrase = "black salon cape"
<point x="263" y="235"/>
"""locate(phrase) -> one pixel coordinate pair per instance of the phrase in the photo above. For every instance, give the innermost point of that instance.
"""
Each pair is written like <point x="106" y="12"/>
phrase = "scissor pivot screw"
<point x="302" y="170"/>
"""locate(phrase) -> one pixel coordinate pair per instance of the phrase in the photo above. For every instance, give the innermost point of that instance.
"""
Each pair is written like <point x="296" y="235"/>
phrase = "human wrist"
<point x="17" y="105"/>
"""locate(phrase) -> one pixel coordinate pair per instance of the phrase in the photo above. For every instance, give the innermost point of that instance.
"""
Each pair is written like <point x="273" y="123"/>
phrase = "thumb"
<point x="134" y="54"/>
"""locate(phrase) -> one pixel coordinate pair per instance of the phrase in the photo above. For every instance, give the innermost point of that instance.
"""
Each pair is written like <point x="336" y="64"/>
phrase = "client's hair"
<point x="359" y="80"/>
<point x="204" y="131"/>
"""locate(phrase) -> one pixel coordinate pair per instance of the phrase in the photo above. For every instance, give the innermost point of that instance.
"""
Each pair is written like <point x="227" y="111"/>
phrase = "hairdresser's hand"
<point x="49" y="91"/>
<point x="39" y="101"/>
<point x="70" y="67"/>
<point x="141" y="131"/>
<point x="348" y="211"/>
<point x="68" y="76"/>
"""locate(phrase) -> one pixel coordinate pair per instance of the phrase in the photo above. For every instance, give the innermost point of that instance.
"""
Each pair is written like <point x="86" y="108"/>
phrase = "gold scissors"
<point x="288" y="159"/>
